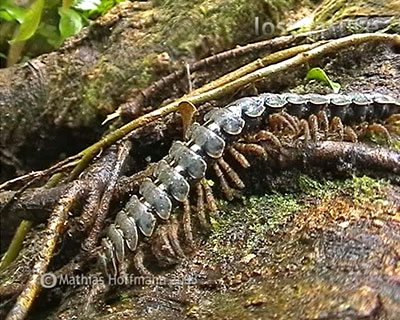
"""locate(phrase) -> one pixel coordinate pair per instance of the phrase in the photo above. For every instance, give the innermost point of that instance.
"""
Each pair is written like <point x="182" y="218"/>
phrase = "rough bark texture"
<point x="334" y="10"/>
<point x="327" y="250"/>
<point x="55" y="103"/>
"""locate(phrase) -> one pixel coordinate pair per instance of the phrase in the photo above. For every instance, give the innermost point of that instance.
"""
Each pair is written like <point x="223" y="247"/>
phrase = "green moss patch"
<point x="241" y="228"/>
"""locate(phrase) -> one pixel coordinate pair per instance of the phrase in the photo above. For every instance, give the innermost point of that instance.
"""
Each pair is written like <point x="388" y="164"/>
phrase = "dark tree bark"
<point x="54" y="104"/>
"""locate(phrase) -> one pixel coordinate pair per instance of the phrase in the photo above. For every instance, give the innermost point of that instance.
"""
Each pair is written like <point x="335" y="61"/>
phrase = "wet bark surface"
<point x="327" y="251"/>
<point x="54" y="104"/>
<point x="295" y="246"/>
<point x="330" y="253"/>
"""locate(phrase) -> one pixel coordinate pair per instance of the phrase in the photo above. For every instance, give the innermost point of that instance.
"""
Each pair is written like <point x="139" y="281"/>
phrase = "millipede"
<point x="258" y="125"/>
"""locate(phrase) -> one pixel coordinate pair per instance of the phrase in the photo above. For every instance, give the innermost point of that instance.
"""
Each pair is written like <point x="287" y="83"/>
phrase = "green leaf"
<point x="31" y="22"/>
<point x="320" y="75"/>
<point x="70" y="22"/>
<point x="5" y="2"/>
<point x="4" y="15"/>
<point x="87" y="4"/>
<point x="15" y="12"/>
<point x="2" y="55"/>
<point x="52" y="34"/>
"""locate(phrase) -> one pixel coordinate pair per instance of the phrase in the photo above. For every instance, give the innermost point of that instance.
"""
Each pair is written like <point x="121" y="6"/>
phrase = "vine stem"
<point x="259" y="63"/>
<point x="22" y="230"/>
<point x="58" y="167"/>
<point x="16" y="243"/>
<point x="301" y="58"/>
<point x="142" y="97"/>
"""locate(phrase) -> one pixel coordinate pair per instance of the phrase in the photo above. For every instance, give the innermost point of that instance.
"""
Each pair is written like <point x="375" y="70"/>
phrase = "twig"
<point x="87" y="154"/>
<point x="252" y="66"/>
<point x="91" y="241"/>
<point x="45" y="199"/>
<point x="16" y="243"/>
<point x="59" y="166"/>
<point x="188" y="74"/>
<point x="301" y="58"/>
<point x="131" y="107"/>
<point x="54" y="231"/>
<point x="11" y="289"/>
<point x="15" y="50"/>
<point x="17" y="194"/>
<point x="337" y="30"/>
<point x="305" y="57"/>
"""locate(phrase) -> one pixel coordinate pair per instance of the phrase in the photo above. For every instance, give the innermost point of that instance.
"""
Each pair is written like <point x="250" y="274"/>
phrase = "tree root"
<point x="104" y="175"/>
<point x="55" y="228"/>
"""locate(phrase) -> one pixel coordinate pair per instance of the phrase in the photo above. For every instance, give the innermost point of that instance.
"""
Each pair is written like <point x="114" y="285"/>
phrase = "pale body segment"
<point x="187" y="162"/>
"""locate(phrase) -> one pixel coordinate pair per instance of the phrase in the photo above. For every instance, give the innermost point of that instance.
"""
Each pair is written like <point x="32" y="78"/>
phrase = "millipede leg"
<point x="162" y="248"/>
<point x="294" y="121"/>
<point x="313" y="124"/>
<point x="138" y="259"/>
<point x="200" y="207"/>
<point x="323" y="122"/>
<point x="268" y="136"/>
<point x="173" y="237"/>
<point x="350" y="134"/>
<point x="123" y="268"/>
<point x="187" y="223"/>
<point x="305" y="130"/>
<point x="224" y="184"/>
<point x="380" y="129"/>
<point x="251" y="148"/>
<point x="232" y="174"/>
<point x="273" y="124"/>
<point x="279" y="123"/>
<point x="164" y="230"/>
<point x="212" y="206"/>
<point x="239" y="157"/>
<point x="393" y="118"/>
<point x="393" y="123"/>
<point x="337" y="127"/>
<point x="394" y="129"/>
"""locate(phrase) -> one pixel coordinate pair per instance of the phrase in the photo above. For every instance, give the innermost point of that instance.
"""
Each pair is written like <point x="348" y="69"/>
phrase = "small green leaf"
<point x="87" y="4"/>
<point x="2" y="55"/>
<point x="70" y="22"/>
<point x="31" y="22"/>
<point x="52" y="34"/>
<point x="15" y="12"/>
<point x="320" y="75"/>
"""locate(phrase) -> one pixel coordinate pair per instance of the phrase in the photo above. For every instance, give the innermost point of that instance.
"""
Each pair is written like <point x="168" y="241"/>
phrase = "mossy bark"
<point x="55" y="103"/>
<point x="327" y="251"/>
<point x="334" y="10"/>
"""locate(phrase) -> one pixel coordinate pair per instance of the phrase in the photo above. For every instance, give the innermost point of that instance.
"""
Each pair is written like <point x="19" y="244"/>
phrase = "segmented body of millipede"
<point x="259" y="125"/>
